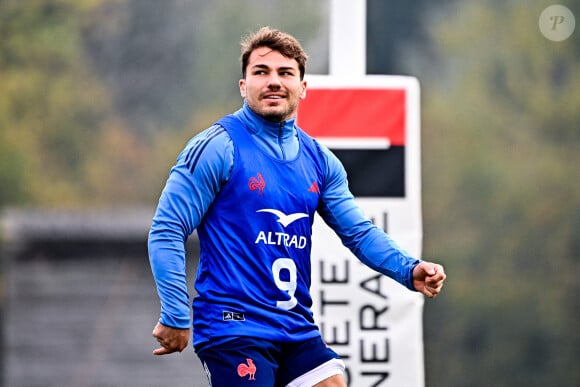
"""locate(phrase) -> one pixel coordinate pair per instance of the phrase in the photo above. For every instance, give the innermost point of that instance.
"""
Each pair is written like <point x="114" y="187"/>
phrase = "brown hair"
<point x="284" y="43"/>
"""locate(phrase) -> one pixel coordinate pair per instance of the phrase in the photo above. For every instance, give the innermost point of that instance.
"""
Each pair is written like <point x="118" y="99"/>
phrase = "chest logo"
<point x="314" y="188"/>
<point x="284" y="219"/>
<point x="257" y="183"/>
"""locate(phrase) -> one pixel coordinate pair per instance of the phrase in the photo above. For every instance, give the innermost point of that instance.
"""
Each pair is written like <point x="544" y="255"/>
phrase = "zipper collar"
<point x="281" y="131"/>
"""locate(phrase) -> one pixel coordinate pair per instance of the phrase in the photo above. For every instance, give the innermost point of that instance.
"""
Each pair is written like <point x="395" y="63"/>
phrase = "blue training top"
<point x="251" y="191"/>
<point x="254" y="273"/>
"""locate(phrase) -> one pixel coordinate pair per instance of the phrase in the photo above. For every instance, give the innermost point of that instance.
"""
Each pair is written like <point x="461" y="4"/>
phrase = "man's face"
<point x="272" y="86"/>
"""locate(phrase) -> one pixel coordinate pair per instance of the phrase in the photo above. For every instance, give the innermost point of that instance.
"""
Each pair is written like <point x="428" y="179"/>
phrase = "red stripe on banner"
<point x="354" y="113"/>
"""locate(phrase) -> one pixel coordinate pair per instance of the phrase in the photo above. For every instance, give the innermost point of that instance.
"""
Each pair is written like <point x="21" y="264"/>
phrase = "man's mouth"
<point x="273" y="96"/>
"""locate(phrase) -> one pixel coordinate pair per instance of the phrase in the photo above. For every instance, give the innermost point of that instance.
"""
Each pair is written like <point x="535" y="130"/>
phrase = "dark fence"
<point x="79" y="302"/>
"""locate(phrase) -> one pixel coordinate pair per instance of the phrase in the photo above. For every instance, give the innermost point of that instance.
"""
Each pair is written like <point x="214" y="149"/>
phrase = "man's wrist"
<point x="175" y="322"/>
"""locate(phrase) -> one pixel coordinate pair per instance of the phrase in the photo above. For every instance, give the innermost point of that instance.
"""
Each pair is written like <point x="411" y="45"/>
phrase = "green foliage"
<point x="51" y="105"/>
<point x="99" y="96"/>
<point x="502" y="197"/>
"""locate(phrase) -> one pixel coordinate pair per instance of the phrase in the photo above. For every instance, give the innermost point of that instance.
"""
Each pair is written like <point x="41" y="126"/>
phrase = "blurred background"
<point x="97" y="98"/>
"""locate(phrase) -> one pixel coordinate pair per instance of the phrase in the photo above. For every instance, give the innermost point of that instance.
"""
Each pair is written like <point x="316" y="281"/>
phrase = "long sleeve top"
<point x="201" y="171"/>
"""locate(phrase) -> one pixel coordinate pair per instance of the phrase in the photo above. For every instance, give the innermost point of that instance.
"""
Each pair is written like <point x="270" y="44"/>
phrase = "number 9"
<point x="287" y="286"/>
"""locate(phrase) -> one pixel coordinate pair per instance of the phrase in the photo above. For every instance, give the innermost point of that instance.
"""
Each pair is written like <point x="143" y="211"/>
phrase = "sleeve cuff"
<point x="175" y="321"/>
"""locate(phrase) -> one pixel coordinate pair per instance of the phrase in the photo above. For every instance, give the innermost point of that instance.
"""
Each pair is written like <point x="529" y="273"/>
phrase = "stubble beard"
<point x="278" y="115"/>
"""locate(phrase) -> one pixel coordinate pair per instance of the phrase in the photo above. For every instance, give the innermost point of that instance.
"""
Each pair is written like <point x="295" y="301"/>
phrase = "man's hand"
<point x="170" y="339"/>
<point x="428" y="278"/>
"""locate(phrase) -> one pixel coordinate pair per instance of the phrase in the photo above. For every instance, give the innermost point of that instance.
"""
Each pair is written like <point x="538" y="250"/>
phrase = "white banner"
<point x="374" y="323"/>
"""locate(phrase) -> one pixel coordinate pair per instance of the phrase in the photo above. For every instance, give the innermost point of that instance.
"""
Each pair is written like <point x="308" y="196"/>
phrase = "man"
<point x="251" y="184"/>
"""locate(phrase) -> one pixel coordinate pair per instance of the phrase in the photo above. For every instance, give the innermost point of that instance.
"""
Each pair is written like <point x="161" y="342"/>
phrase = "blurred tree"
<point x="502" y="195"/>
<point x="392" y="26"/>
<point x="218" y="51"/>
<point x="51" y="105"/>
<point x="143" y="50"/>
<point x="99" y="96"/>
<point x="165" y="62"/>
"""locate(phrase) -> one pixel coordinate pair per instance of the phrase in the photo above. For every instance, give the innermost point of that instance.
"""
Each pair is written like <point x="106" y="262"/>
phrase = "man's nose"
<point x="274" y="81"/>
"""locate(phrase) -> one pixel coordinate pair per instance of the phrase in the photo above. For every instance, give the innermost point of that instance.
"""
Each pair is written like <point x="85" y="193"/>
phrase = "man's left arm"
<point x="370" y="244"/>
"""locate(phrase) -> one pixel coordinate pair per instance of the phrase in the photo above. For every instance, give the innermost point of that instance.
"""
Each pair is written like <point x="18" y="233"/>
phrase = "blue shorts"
<point x="246" y="361"/>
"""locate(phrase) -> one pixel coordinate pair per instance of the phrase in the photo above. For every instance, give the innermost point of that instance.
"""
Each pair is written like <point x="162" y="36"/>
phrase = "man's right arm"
<point x="200" y="171"/>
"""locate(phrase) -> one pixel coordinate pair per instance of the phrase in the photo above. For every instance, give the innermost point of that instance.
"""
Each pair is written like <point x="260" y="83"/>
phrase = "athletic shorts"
<point x="245" y="361"/>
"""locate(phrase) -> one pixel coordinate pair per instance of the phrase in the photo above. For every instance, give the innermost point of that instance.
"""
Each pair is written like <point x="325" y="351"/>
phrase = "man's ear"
<point x="303" y="93"/>
<point x="243" y="88"/>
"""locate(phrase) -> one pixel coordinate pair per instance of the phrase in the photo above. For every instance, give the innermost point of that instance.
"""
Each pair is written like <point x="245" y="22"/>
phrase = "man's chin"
<point x="274" y="115"/>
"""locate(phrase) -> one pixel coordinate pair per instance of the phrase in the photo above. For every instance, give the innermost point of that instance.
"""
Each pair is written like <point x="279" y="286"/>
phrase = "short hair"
<point x="277" y="40"/>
